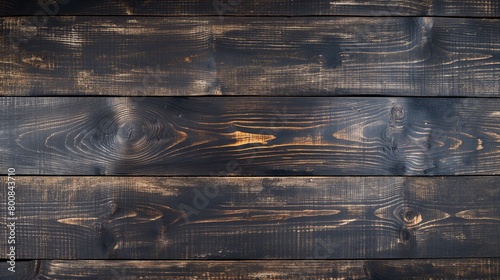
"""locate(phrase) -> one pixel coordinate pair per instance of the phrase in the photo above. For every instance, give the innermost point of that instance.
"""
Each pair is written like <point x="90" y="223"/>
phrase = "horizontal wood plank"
<point x="313" y="56"/>
<point x="255" y="218"/>
<point x="464" y="8"/>
<point x="482" y="268"/>
<point x="284" y="269"/>
<point x="207" y="136"/>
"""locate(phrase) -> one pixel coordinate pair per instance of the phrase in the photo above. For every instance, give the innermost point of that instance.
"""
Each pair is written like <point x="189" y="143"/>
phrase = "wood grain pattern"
<point x="484" y="8"/>
<point x="284" y="269"/>
<point x="207" y="136"/>
<point x="318" y="56"/>
<point x="92" y="90"/>
<point x="481" y="268"/>
<point x="256" y="218"/>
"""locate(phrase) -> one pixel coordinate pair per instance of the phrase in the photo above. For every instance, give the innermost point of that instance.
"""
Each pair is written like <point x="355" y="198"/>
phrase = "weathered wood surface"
<point x="482" y="268"/>
<point x="255" y="218"/>
<point x="207" y="136"/>
<point x="401" y="56"/>
<point x="464" y="8"/>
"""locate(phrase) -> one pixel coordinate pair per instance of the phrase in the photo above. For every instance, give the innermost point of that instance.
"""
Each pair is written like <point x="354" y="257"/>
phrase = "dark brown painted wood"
<point x="256" y="218"/>
<point x="250" y="136"/>
<point x="401" y="56"/>
<point x="283" y="269"/>
<point x="484" y="8"/>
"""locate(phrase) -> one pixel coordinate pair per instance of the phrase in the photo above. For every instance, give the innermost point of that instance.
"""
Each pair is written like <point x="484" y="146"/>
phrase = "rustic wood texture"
<point x="464" y="8"/>
<point x="128" y="56"/>
<point x="207" y="136"/>
<point x="389" y="99"/>
<point x="283" y="269"/>
<point x="256" y="218"/>
<point x="481" y="268"/>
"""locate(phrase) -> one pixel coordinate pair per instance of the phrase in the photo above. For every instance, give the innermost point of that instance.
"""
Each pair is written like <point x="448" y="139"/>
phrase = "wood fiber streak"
<point x="283" y="269"/>
<point x="257" y="218"/>
<point x="400" y="56"/>
<point x="464" y="8"/>
<point x="250" y="136"/>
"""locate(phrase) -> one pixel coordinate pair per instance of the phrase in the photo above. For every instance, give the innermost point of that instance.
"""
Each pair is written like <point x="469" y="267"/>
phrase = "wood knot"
<point x="328" y="55"/>
<point x="99" y="227"/>
<point x="130" y="131"/>
<point x="426" y="23"/>
<point x="410" y="216"/>
<point x="113" y="207"/>
<point x="397" y="115"/>
<point x="406" y="236"/>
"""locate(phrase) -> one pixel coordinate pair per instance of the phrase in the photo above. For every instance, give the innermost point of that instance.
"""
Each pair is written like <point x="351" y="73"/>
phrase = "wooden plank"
<point x="319" y="56"/>
<point x="206" y="136"/>
<point x="255" y="218"/>
<point x="484" y="8"/>
<point x="283" y="269"/>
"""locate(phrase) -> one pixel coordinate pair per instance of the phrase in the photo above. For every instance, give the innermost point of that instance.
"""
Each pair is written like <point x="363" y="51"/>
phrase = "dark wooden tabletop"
<point x="230" y="139"/>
